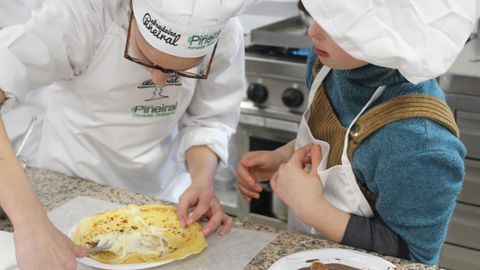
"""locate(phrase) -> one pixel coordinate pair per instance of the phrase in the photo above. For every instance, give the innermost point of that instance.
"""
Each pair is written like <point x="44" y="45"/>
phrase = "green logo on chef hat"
<point x="196" y="42"/>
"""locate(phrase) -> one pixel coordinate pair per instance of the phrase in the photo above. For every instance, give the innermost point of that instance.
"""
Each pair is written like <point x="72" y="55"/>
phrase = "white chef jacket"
<point x="99" y="116"/>
<point x="17" y="11"/>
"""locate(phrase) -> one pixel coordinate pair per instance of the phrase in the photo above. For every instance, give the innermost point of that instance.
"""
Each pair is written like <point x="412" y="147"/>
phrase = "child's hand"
<point x="296" y="187"/>
<point x="253" y="168"/>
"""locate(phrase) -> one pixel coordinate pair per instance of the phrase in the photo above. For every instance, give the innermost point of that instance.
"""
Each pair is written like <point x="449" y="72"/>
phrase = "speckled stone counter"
<point x="55" y="189"/>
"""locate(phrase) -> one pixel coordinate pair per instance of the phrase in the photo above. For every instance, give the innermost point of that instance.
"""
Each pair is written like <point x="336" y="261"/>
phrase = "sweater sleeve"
<point x="375" y="236"/>
<point x="415" y="166"/>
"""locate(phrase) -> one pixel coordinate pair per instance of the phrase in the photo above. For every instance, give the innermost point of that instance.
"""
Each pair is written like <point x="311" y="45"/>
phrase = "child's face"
<point x="329" y="53"/>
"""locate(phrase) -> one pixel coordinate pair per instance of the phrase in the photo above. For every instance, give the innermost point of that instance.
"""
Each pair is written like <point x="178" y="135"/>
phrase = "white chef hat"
<point x="420" y="38"/>
<point x="185" y="28"/>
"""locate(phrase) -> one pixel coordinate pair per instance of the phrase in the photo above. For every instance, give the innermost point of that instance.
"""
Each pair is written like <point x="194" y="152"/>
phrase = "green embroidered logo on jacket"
<point x="154" y="111"/>
<point x="146" y="110"/>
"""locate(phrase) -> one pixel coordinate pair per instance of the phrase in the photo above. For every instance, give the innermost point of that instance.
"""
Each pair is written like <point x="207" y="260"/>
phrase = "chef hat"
<point x="185" y="28"/>
<point x="420" y="38"/>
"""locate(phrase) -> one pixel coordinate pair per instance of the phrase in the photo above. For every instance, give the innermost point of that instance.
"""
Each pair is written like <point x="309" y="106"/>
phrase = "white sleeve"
<point x="57" y="43"/>
<point x="213" y="114"/>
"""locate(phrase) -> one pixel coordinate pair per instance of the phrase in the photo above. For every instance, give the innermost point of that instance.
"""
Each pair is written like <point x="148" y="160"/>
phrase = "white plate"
<point x="347" y="257"/>
<point x="133" y="266"/>
<point x="89" y="262"/>
<point x="7" y="251"/>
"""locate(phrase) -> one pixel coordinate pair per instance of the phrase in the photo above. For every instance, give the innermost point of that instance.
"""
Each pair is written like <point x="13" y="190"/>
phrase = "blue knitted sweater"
<point x="415" y="166"/>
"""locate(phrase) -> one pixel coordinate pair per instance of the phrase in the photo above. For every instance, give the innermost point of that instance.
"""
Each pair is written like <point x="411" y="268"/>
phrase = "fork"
<point x="103" y="247"/>
<point x="23" y="161"/>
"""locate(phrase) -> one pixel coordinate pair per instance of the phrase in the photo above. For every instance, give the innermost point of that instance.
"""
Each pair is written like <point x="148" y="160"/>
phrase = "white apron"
<point x="340" y="187"/>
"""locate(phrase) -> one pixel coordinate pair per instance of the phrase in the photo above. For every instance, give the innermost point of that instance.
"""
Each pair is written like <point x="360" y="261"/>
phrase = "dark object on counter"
<point x="317" y="265"/>
<point x="339" y="266"/>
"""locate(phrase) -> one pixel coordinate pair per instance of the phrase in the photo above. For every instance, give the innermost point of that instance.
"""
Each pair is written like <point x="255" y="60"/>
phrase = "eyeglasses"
<point x="203" y="68"/>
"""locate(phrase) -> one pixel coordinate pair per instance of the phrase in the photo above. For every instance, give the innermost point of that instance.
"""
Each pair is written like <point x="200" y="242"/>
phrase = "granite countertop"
<point x="56" y="189"/>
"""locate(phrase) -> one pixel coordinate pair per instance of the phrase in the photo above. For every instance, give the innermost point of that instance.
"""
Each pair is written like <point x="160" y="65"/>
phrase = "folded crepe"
<point x="148" y="233"/>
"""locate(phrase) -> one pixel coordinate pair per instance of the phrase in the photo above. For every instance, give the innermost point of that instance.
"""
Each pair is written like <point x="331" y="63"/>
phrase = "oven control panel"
<point x="276" y="84"/>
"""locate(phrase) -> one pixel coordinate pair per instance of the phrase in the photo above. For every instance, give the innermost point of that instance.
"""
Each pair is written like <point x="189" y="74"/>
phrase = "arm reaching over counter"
<point x="33" y="231"/>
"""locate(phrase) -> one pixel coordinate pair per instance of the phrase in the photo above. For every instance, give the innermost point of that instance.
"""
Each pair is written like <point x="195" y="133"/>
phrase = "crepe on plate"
<point x="148" y="233"/>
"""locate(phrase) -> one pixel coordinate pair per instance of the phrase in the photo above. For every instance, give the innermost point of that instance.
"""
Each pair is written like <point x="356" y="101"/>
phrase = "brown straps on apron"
<point x="325" y="126"/>
<point x="402" y="107"/>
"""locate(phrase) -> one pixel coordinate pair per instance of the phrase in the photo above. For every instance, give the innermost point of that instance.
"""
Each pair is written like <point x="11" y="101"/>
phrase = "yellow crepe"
<point x="148" y="233"/>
